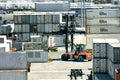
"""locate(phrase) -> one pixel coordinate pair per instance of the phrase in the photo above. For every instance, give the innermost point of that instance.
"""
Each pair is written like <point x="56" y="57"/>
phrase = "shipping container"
<point x="40" y="19"/>
<point x="3" y="39"/>
<point x="56" y="40"/>
<point x="52" y="6"/>
<point x="36" y="38"/>
<point x="55" y="28"/>
<point x="18" y="28"/>
<point x="25" y="27"/>
<point x="103" y="29"/>
<point x="48" y="19"/>
<point x="100" y="65"/>
<point x="37" y="56"/>
<point x="113" y="50"/>
<point x="95" y="13"/>
<point x="111" y="68"/>
<point x="56" y="19"/>
<point x="40" y="27"/>
<point x="13" y="75"/>
<point x="48" y="28"/>
<point x="25" y="37"/>
<point x="5" y="47"/>
<point x="32" y="46"/>
<point x="103" y="22"/>
<point x="102" y="77"/>
<point x="17" y="45"/>
<point x="99" y="48"/>
<point x="13" y="61"/>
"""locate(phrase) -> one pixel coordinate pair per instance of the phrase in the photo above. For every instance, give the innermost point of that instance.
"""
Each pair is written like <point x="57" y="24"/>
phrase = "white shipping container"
<point x="48" y="28"/>
<point x="56" y="40"/>
<point x="13" y="75"/>
<point x="114" y="52"/>
<point x="100" y="65"/>
<point x="13" y="61"/>
<point x="95" y="13"/>
<point x="111" y="68"/>
<point x="103" y="22"/>
<point x="41" y="27"/>
<point x="3" y="39"/>
<point x="101" y="77"/>
<point x="37" y="56"/>
<point x="99" y="48"/>
<point x="103" y="29"/>
<point x="5" y="47"/>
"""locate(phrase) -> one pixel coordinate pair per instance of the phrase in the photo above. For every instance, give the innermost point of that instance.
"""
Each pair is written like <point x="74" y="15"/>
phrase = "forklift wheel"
<point x="80" y="59"/>
<point x="64" y="57"/>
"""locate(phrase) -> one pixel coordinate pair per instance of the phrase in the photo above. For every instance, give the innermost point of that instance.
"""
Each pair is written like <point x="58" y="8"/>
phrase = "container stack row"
<point x="13" y="65"/>
<point x="105" y="58"/>
<point x="36" y="23"/>
<point x="103" y="21"/>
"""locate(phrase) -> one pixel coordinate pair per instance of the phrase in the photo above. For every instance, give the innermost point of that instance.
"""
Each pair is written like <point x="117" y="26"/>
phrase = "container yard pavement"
<point x="57" y="69"/>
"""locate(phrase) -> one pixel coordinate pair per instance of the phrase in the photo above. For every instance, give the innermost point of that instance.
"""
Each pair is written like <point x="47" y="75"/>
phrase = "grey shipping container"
<point x="13" y="61"/>
<point x="100" y="65"/>
<point x="41" y="19"/>
<point x="55" y="28"/>
<point x="37" y="56"/>
<point x="13" y="75"/>
<point x="41" y="27"/>
<point x="56" y="19"/>
<point x="25" y="27"/>
<point x="111" y="68"/>
<point x="32" y="46"/>
<point x="48" y="28"/>
<point x="18" y="28"/>
<point x="114" y="52"/>
<point x="48" y="19"/>
<point x="17" y="45"/>
<point x="99" y="48"/>
<point x="25" y="37"/>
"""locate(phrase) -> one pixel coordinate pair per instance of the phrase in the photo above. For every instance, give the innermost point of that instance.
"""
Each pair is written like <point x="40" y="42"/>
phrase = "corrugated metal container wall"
<point x="99" y="48"/>
<point x="52" y="6"/>
<point x="48" y="19"/>
<point x="111" y="68"/>
<point x="55" y="28"/>
<point x="103" y="22"/>
<point x="33" y="19"/>
<point x="101" y="77"/>
<point x="48" y="28"/>
<point x="25" y="28"/>
<point x="114" y="52"/>
<point x="32" y="46"/>
<point x="56" y="19"/>
<point x="41" y="27"/>
<point x="13" y="61"/>
<point x="17" y="45"/>
<point x="40" y="19"/>
<point x="100" y="65"/>
<point x="25" y="37"/>
<point x="18" y="28"/>
<point x="95" y="13"/>
<point x="103" y="29"/>
<point x="13" y="75"/>
<point x="37" y="56"/>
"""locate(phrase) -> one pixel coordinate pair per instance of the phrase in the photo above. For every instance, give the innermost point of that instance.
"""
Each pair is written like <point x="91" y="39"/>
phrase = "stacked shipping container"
<point x="102" y="57"/>
<point x="35" y="23"/>
<point x="103" y="21"/>
<point x="13" y="65"/>
<point x="113" y="58"/>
